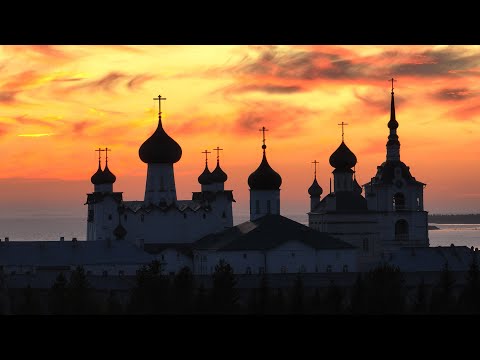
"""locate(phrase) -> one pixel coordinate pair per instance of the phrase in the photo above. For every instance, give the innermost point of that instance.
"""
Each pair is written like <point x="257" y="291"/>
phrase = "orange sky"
<point x="59" y="103"/>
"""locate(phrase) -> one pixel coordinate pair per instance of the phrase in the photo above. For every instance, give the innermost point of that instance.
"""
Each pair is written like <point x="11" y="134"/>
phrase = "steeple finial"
<point x="393" y="145"/>
<point x="315" y="162"/>
<point x="106" y="155"/>
<point x="217" y="149"/>
<point x="206" y="152"/>
<point x="99" y="155"/>
<point x="263" y="129"/>
<point x="392" y="80"/>
<point x="159" y="99"/>
<point x="343" y="124"/>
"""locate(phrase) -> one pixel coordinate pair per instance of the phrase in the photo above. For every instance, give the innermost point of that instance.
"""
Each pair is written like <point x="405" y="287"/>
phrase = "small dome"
<point x="160" y="148"/>
<point x="205" y="177"/>
<point x="218" y="175"/>
<point x="97" y="178"/>
<point x="120" y="231"/>
<point x="315" y="189"/>
<point x="343" y="158"/>
<point x="108" y="177"/>
<point x="264" y="178"/>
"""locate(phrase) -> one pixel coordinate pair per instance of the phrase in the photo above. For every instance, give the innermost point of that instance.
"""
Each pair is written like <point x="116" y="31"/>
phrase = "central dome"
<point x="264" y="178"/>
<point x="343" y="158"/>
<point x="160" y="148"/>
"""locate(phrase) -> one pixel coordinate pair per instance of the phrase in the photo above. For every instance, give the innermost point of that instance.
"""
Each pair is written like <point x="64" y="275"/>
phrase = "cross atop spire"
<point x="206" y="152"/>
<point x="315" y="162"/>
<point x="263" y="129"/>
<point x="392" y="80"/>
<point x="218" y="153"/>
<point x="343" y="124"/>
<point x="99" y="155"/>
<point x="159" y="99"/>
<point x="106" y="155"/>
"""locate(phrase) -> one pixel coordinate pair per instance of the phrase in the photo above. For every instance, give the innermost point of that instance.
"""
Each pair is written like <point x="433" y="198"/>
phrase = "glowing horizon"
<point x="60" y="103"/>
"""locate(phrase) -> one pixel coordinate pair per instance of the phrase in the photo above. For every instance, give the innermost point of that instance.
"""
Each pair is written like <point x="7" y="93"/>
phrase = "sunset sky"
<point x="59" y="103"/>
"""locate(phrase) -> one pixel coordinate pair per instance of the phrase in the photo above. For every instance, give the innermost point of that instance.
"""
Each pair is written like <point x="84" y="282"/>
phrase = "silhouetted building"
<point x="159" y="217"/>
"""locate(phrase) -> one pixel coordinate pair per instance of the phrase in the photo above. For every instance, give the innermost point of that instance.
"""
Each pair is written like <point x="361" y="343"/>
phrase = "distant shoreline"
<point x="454" y="219"/>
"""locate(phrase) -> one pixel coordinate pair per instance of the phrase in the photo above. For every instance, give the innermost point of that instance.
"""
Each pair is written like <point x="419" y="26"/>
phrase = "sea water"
<point x="52" y="228"/>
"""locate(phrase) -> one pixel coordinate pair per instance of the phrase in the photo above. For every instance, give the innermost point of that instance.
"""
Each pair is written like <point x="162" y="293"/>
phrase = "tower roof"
<point x="218" y="175"/>
<point x="315" y="189"/>
<point x="343" y="158"/>
<point x="97" y="178"/>
<point x="108" y="176"/>
<point x="205" y="177"/>
<point x="160" y="148"/>
<point x="264" y="178"/>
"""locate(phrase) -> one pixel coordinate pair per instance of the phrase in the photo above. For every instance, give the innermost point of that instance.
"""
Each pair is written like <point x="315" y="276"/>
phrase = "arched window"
<point x="401" y="230"/>
<point x="398" y="201"/>
<point x="268" y="207"/>
<point x="283" y="269"/>
<point x="329" y="268"/>
<point x="142" y="217"/>
<point x="302" y="269"/>
<point x="257" y="206"/>
<point x="345" y="268"/>
<point x="248" y="271"/>
<point x="184" y="215"/>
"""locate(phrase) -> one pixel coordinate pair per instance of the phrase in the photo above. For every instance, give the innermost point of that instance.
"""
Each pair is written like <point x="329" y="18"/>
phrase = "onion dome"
<point x="97" y="178"/>
<point x="315" y="189"/>
<point x="218" y="175"/>
<point x="343" y="158"/>
<point x="108" y="176"/>
<point x="205" y="177"/>
<point x="160" y="148"/>
<point x="264" y="178"/>
<point x="120" y="231"/>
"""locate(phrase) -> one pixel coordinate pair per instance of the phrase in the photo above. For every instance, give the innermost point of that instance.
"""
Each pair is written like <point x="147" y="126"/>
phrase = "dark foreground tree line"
<point x="379" y="291"/>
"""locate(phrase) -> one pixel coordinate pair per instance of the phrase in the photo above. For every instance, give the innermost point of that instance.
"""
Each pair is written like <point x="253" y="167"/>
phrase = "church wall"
<point x="264" y="197"/>
<point x="173" y="261"/>
<point x="160" y="183"/>
<point x="105" y="219"/>
<point x="240" y="261"/>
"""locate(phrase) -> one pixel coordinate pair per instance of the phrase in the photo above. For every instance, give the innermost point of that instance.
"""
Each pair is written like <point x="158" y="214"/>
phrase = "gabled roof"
<point x="266" y="233"/>
<point x="346" y="202"/>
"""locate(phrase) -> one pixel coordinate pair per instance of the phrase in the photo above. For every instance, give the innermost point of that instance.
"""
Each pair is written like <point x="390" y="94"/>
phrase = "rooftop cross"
<point x="106" y="155"/>
<point x="343" y="124"/>
<point x="263" y="129"/>
<point x="99" y="153"/>
<point x="159" y="99"/>
<point x="218" y="152"/>
<point x="206" y="152"/>
<point x="392" y="80"/>
<point x="315" y="162"/>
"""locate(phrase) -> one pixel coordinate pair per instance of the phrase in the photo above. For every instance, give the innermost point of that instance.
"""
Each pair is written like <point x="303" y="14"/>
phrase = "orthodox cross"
<point x="392" y="80"/>
<point x="159" y="99"/>
<point x="218" y="152"/>
<point x="263" y="129"/>
<point x="106" y="155"/>
<point x="206" y="155"/>
<point x="99" y="153"/>
<point x="315" y="162"/>
<point x="343" y="124"/>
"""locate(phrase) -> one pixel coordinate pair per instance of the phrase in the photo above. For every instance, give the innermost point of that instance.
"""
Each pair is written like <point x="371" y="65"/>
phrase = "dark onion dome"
<point x="120" y="231"/>
<point x="343" y="158"/>
<point x="356" y="186"/>
<point x="160" y="148"/>
<point x="97" y="178"/>
<point x="264" y="178"/>
<point x="315" y="189"/>
<point x="205" y="177"/>
<point x="386" y="173"/>
<point x="218" y="175"/>
<point x="108" y="177"/>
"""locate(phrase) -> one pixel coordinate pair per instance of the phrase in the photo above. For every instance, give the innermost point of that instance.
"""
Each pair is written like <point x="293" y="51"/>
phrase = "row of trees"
<point x="380" y="291"/>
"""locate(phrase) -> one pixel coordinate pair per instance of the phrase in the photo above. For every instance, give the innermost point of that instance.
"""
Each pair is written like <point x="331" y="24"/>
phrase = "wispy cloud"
<point x="454" y="94"/>
<point x="36" y="135"/>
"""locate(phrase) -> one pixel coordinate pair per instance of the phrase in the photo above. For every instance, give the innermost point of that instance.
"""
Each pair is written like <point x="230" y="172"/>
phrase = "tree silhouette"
<point x="183" y="291"/>
<point x="150" y="293"/>
<point x="263" y="296"/>
<point x="385" y="293"/>
<point x="80" y="293"/>
<point x="333" y="300"/>
<point x="443" y="299"/>
<point x="30" y="304"/>
<point x="358" y="300"/>
<point x="421" y="303"/>
<point x="470" y="296"/>
<point x="224" y="294"/>
<point x="201" y="305"/>
<point x="296" y="297"/>
<point x="113" y="305"/>
<point x="317" y="305"/>
<point x="57" y="297"/>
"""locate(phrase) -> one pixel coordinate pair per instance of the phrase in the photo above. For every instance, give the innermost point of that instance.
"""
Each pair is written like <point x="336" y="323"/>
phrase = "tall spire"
<point x="393" y="145"/>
